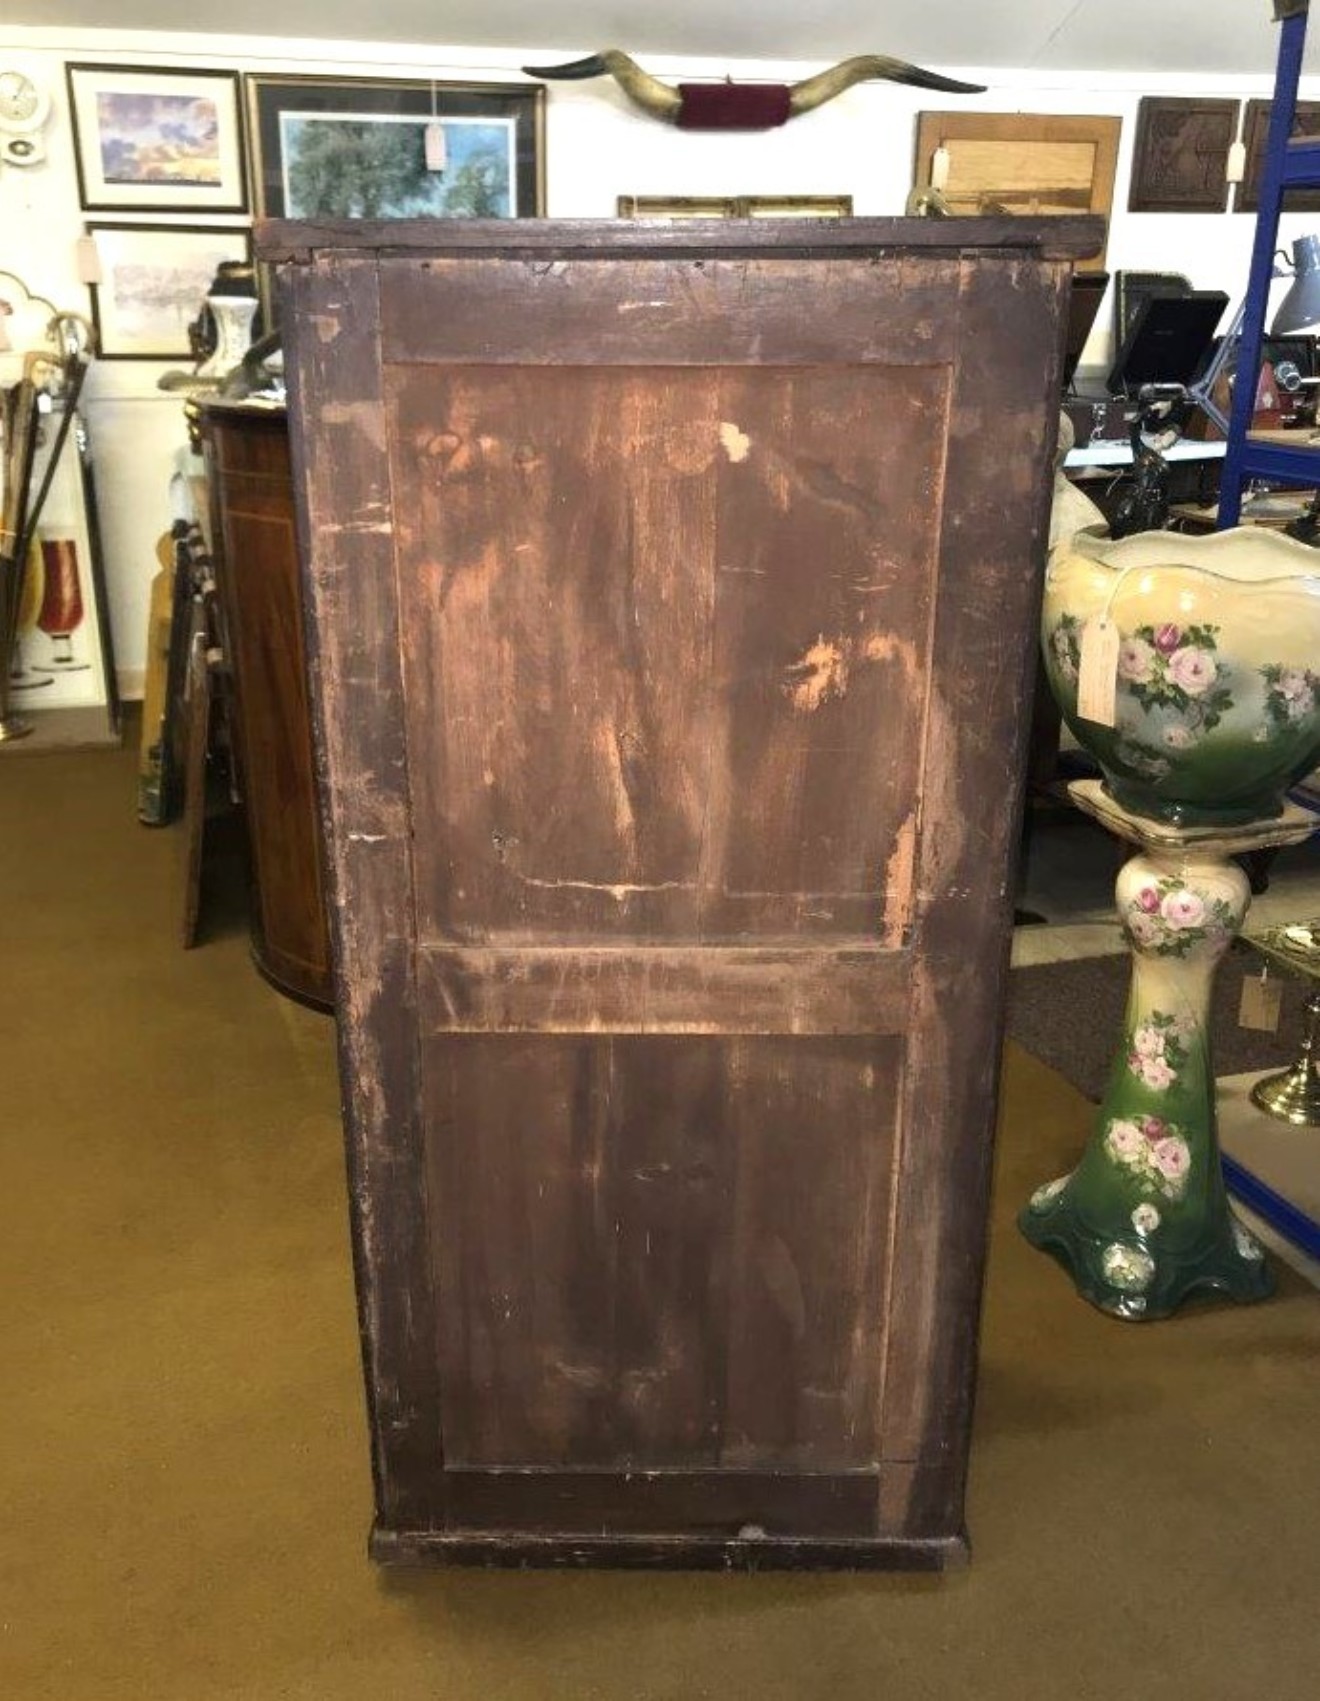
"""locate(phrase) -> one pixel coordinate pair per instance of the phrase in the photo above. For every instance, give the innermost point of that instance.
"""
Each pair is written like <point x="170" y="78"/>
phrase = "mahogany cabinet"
<point x="672" y="597"/>
<point x="254" y="548"/>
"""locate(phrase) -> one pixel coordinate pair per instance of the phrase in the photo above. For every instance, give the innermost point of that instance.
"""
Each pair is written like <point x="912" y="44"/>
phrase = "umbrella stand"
<point x="20" y="447"/>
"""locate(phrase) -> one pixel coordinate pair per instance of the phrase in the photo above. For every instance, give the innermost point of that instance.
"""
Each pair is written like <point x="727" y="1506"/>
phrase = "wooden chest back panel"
<point x="660" y="1252"/>
<point x="673" y="623"/>
<point x="666" y="634"/>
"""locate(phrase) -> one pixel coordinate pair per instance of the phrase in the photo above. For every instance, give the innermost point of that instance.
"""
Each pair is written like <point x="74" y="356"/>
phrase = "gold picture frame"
<point x="735" y="206"/>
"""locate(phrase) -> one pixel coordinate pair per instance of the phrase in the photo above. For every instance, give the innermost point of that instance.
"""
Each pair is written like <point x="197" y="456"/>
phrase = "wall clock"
<point x="24" y="108"/>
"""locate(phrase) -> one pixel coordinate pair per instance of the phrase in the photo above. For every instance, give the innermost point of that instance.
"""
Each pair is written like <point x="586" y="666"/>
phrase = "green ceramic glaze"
<point x="1218" y="690"/>
<point x="1144" y="1219"/>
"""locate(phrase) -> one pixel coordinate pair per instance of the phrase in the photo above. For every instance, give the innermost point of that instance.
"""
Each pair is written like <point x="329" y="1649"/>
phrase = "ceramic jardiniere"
<point x="1217" y="709"/>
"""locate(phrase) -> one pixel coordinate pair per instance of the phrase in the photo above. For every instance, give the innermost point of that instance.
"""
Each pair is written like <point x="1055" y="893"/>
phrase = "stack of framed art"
<point x="174" y="163"/>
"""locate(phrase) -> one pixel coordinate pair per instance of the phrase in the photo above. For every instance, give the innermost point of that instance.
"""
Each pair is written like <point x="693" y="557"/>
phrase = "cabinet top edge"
<point x="300" y="241"/>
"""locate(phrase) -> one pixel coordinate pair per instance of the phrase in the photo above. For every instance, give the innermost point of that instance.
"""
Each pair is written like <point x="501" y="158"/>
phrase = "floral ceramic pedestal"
<point x="1144" y="1219"/>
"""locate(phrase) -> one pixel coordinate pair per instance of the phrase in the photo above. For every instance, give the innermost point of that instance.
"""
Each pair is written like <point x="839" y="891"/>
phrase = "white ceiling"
<point x="1163" y="36"/>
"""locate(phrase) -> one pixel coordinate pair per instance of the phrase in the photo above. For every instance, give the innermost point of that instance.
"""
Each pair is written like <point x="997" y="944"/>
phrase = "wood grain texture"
<point x="1180" y="156"/>
<point x="674" y="690"/>
<point x="1068" y="237"/>
<point x="659" y="621"/>
<point x="260" y="596"/>
<point x="626" y="1278"/>
<point x="342" y="486"/>
<point x="1025" y="162"/>
<point x="1255" y="135"/>
<point x="564" y="1550"/>
<point x="973" y="763"/>
<point x="664" y="989"/>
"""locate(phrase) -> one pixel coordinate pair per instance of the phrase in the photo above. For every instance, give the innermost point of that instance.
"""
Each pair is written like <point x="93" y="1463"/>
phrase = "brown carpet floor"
<point x="183" y="1469"/>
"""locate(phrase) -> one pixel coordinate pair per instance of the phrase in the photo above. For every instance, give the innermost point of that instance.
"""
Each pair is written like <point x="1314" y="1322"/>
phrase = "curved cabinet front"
<point x="256" y="565"/>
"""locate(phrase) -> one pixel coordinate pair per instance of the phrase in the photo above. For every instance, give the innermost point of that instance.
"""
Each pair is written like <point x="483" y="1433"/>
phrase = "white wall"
<point x="597" y="148"/>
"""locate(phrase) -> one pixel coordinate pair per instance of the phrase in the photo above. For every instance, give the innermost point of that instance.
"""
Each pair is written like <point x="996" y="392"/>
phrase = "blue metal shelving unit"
<point x="1288" y="165"/>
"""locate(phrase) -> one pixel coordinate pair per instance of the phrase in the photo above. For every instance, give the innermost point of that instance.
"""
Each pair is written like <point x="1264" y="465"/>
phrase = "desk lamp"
<point x="1299" y="311"/>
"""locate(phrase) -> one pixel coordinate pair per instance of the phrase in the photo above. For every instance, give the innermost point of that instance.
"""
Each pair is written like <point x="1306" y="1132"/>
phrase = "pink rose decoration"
<point x="1167" y="639"/>
<point x="1156" y="1073"/>
<point x="1172" y="1158"/>
<point x="1153" y="1127"/>
<point x="1136" y="660"/>
<point x="1183" y="908"/>
<point x="1145" y="929"/>
<point x="1124" y="1139"/>
<point x="1149" y="899"/>
<point x="1193" y="670"/>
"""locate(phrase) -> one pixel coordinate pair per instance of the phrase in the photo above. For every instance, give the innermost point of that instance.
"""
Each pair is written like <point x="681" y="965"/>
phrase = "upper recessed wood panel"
<point x="664" y="646"/>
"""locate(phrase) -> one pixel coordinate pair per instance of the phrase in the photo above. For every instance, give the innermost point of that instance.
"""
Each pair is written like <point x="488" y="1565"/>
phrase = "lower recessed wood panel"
<point x="660" y="1250"/>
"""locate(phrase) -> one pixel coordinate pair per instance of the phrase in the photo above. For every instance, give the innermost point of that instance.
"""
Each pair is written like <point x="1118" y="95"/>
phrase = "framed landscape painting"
<point x="154" y="279"/>
<point x="157" y="140"/>
<point x="330" y="148"/>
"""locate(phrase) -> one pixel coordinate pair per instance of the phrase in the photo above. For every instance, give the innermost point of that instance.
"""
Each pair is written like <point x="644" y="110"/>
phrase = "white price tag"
<point x="434" y="145"/>
<point x="1097" y="673"/>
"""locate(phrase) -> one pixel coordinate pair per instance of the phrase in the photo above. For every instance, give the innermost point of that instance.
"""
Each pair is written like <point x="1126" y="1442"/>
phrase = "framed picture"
<point x="734" y="206"/>
<point x="157" y="140"/>
<point x="1180" y="158"/>
<point x="154" y="279"/>
<point x="331" y="148"/>
<point x="1023" y="163"/>
<point x="1255" y="133"/>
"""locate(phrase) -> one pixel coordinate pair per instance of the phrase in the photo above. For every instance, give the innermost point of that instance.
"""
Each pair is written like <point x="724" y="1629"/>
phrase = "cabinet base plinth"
<point x="518" y="1549"/>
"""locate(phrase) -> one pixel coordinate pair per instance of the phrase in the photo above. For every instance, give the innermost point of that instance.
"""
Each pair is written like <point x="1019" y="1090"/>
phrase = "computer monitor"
<point x="1170" y="338"/>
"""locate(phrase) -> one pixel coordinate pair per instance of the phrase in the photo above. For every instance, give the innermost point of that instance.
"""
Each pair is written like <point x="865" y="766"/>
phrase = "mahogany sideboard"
<point x="254" y="547"/>
<point x="672" y="596"/>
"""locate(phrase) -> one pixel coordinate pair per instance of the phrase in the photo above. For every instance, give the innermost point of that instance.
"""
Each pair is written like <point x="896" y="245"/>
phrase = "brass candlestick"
<point x="1293" y="1094"/>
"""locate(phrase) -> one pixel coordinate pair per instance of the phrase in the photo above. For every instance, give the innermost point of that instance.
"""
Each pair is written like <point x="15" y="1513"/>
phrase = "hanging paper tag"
<point x="1262" y="999"/>
<point x="435" y="145"/>
<point x="87" y="257"/>
<point x="1097" y="673"/>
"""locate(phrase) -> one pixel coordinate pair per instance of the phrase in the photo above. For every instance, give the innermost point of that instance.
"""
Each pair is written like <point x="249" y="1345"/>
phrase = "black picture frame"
<point x="487" y="183"/>
<point x="127" y="123"/>
<point x="137" y="315"/>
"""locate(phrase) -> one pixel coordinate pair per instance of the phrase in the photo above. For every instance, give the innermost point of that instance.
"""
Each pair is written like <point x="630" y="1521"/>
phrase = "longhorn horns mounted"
<point x="662" y="100"/>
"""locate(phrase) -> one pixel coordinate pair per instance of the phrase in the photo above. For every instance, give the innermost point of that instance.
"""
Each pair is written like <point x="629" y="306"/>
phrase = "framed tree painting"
<point x="337" y="148"/>
<point x="165" y="141"/>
